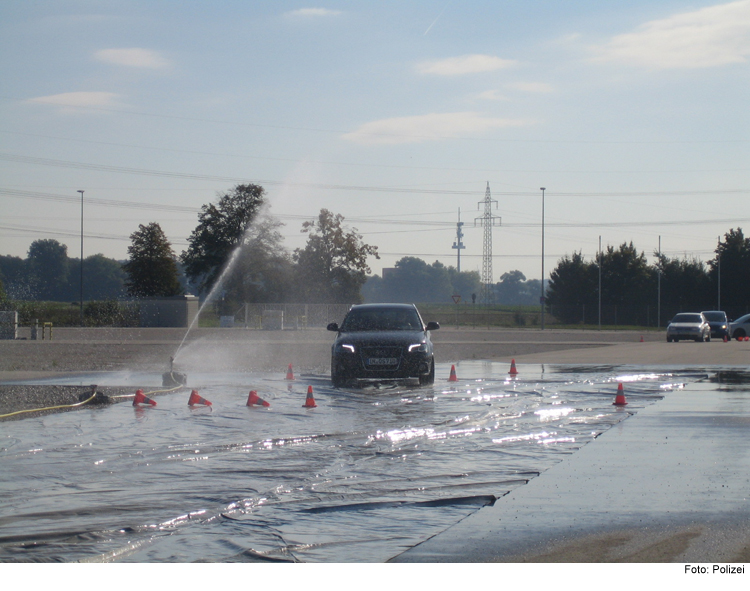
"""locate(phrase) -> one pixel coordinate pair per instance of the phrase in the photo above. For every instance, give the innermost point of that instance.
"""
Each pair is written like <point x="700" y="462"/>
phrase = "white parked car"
<point x="689" y="325"/>
<point x="740" y="328"/>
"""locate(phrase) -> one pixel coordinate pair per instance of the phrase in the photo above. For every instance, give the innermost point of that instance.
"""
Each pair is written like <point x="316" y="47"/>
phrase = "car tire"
<point x="429" y="379"/>
<point x="337" y="379"/>
<point x="739" y="334"/>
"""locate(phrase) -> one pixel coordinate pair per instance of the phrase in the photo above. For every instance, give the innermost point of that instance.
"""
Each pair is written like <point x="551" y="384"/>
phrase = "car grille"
<point x="385" y="358"/>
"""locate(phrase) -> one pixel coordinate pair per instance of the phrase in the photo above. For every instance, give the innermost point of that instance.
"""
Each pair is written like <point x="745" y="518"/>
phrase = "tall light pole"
<point x="541" y="297"/>
<point x="81" y="192"/>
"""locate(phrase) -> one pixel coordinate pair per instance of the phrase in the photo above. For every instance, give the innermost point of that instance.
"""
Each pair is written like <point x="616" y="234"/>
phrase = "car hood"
<point x="382" y="337"/>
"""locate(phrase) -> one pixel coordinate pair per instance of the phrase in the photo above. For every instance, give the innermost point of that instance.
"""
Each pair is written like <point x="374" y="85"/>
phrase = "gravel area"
<point x="15" y="400"/>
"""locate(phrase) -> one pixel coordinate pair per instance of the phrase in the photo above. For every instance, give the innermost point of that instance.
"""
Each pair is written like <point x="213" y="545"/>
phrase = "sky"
<point x="397" y="115"/>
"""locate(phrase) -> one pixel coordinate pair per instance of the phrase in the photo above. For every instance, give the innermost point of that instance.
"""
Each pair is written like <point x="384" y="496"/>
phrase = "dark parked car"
<point x="740" y="328"/>
<point x="718" y="322"/>
<point x="689" y="325"/>
<point x="382" y="342"/>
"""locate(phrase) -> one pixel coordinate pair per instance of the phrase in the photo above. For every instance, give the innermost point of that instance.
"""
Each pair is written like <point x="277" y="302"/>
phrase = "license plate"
<point x="382" y="361"/>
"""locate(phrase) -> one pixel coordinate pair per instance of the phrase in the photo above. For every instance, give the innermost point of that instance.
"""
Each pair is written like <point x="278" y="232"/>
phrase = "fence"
<point x="301" y="316"/>
<point x="298" y="316"/>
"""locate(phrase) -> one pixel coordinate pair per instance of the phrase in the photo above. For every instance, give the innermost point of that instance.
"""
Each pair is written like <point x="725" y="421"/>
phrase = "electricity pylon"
<point x="487" y="295"/>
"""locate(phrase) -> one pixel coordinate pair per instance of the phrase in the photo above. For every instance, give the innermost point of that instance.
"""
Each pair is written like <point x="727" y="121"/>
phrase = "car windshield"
<point x="695" y="318"/>
<point x="715" y="316"/>
<point x="359" y="319"/>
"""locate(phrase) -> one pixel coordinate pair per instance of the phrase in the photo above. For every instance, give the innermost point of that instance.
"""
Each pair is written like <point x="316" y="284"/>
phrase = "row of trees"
<point x="413" y="280"/>
<point x="633" y="286"/>
<point x="236" y="251"/>
<point x="47" y="273"/>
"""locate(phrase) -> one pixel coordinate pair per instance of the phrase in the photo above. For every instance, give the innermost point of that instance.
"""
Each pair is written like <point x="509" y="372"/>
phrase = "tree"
<point x="464" y="283"/>
<point x="220" y="231"/>
<point x="103" y="278"/>
<point x="572" y="288"/>
<point x="14" y="271"/>
<point x="333" y="265"/>
<point x="627" y="278"/>
<point x="511" y="290"/>
<point x="48" y="270"/>
<point x="151" y="270"/>
<point x="733" y="257"/>
<point x="685" y="285"/>
<point x="263" y="269"/>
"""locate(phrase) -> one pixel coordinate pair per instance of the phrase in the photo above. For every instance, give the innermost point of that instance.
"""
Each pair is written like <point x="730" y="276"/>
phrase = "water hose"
<point x="18" y="412"/>
<point x="89" y="399"/>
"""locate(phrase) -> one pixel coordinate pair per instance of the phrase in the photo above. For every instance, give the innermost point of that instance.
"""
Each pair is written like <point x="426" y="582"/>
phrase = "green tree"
<point x="48" y="269"/>
<point x="572" y="288"/>
<point x="332" y="267"/>
<point x="13" y="271"/>
<point x="464" y="283"/>
<point x="627" y="279"/>
<point x="263" y="270"/>
<point x="151" y="269"/>
<point x="733" y="257"/>
<point x="103" y="278"/>
<point x="220" y="231"/>
<point x="685" y="285"/>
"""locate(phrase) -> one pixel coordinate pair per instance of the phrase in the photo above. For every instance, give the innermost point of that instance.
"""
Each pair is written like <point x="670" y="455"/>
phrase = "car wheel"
<point x="428" y="379"/>
<point x="337" y="379"/>
<point x="739" y="334"/>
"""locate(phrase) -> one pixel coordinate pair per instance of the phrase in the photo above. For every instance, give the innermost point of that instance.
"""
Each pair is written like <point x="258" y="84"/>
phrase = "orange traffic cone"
<point x="641" y="339"/>
<point x="141" y="398"/>
<point x="254" y="399"/>
<point x="726" y="339"/>
<point x="453" y="377"/>
<point x="620" y="398"/>
<point x="513" y="371"/>
<point x="289" y="373"/>
<point x="195" y="399"/>
<point x="309" y="401"/>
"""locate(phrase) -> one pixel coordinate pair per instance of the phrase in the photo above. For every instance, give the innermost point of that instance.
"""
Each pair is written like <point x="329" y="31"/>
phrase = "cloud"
<point x="466" y="64"/>
<point x="536" y="87"/>
<point x="424" y="128"/>
<point x="709" y="37"/>
<point x="492" y="95"/>
<point x="133" y="57"/>
<point x="308" y="12"/>
<point x="78" y="99"/>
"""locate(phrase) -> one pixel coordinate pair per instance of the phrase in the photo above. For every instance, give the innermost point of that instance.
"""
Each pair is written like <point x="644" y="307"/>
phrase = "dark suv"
<point x="382" y="342"/>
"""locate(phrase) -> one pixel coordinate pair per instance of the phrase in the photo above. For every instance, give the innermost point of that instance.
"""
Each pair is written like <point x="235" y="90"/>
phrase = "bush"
<point x="60" y="314"/>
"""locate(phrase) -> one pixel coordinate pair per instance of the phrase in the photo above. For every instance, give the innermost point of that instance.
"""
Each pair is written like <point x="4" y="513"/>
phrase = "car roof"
<point x="374" y="306"/>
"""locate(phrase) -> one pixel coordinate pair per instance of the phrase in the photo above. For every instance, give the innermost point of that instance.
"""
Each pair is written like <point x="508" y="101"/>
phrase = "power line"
<point x="338" y="187"/>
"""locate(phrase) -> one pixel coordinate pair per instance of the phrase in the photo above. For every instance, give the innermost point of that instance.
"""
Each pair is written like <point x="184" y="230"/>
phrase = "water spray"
<point x="173" y="378"/>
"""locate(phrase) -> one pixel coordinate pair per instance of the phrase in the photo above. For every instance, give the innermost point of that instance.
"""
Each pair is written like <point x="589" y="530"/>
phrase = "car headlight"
<point x="419" y="347"/>
<point x="345" y="347"/>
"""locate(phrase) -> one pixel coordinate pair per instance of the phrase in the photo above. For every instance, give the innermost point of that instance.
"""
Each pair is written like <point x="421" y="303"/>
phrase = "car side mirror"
<point x="432" y="326"/>
<point x="333" y="326"/>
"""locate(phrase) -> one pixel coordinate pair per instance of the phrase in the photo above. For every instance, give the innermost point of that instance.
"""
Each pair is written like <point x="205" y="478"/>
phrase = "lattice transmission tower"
<point x="487" y="294"/>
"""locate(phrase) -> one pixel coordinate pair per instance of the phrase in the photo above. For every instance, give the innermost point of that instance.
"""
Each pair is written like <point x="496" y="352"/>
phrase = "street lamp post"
<point x="541" y="298"/>
<point x="81" y="192"/>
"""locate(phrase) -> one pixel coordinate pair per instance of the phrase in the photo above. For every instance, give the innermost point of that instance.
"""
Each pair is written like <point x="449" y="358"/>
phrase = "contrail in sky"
<point x="436" y="20"/>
